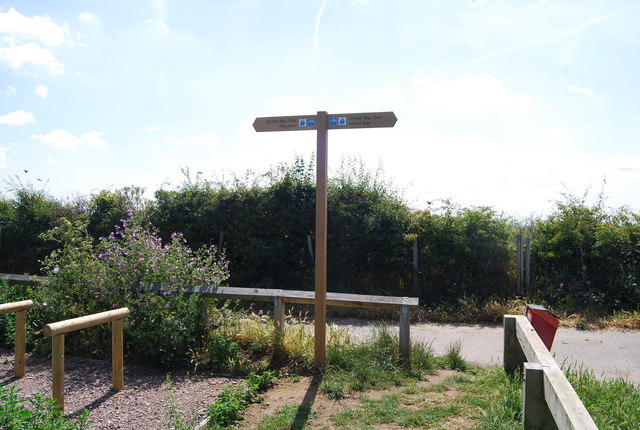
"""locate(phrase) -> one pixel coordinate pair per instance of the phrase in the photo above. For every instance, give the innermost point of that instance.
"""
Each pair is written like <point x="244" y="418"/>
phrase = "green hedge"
<point x="583" y="254"/>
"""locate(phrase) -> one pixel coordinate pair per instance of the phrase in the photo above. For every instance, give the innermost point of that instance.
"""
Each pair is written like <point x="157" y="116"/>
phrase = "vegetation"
<point x="480" y="398"/>
<point x="585" y="256"/>
<point x="108" y="250"/>
<point x="588" y="257"/>
<point x="36" y="414"/>
<point x="228" y="410"/>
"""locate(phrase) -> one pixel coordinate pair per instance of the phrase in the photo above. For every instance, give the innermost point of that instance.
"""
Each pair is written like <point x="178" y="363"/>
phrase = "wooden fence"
<point x="549" y="400"/>
<point x="20" y="309"/>
<point x="58" y="329"/>
<point x="280" y="297"/>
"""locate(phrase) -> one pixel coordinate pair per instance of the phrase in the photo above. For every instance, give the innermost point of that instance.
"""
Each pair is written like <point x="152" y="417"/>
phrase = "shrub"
<point x="463" y="252"/>
<point x="585" y="256"/>
<point x="164" y="328"/>
<point x="39" y="415"/>
<point x="12" y="293"/>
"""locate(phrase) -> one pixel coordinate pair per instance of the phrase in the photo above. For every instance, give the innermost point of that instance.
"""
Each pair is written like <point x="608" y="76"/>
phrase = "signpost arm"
<point x="321" y="242"/>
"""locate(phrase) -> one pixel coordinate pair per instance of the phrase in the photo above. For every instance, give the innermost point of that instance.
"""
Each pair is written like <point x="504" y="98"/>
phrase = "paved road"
<point x="608" y="353"/>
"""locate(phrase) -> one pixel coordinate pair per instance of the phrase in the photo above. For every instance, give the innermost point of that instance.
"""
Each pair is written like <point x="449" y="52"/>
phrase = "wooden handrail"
<point x="8" y="308"/>
<point x="57" y="331"/>
<point x="28" y="279"/>
<point x="549" y="400"/>
<point x="79" y="323"/>
<point x="298" y="296"/>
<point x="20" y="308"/>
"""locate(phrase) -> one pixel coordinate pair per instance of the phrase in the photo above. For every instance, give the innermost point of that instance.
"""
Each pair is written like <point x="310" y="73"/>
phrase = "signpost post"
<point x="322" y="122"/>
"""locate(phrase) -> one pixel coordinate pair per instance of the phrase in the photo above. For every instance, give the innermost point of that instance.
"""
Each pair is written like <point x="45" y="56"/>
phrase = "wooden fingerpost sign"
<point x="322" y="122"/>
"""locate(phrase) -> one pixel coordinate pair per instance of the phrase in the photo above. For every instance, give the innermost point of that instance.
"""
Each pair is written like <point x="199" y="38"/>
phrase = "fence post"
<point x="278" y="311"/>
<point x="20" y="339"/>
<point x="404" y="330"/>
<point x="57" y="364"/>
<point x="513" y="356"/>
<point x="415" y="266"/>
<point x="117" y="354"/>
<point x="527" y="266"/>
<point x="20" y="343"/>
<point x="535" y="411"/>
<point x="519" y="264"/>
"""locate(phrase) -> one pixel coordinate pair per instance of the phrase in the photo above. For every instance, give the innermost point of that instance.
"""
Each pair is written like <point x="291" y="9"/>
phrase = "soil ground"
<point x="144" y="403"/>
<point x="304" y="392"/>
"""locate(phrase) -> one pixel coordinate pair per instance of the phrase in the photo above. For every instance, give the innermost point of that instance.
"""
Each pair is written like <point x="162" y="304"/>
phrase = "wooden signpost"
<point x="322" y="122"/>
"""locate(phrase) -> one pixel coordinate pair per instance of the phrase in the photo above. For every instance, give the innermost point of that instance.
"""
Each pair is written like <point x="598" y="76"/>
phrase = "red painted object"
<point x="544" y="323"/>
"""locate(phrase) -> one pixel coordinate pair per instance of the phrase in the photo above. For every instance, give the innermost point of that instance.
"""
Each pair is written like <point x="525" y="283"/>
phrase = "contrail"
<point x="315" y="40"/>
<point x="539" y="41"/>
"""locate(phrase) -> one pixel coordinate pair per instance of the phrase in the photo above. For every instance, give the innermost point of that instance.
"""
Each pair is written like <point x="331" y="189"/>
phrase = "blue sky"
<point x="499" y="103"/>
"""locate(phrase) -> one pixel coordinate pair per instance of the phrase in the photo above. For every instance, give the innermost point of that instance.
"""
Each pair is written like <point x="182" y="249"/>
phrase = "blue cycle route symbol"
<point x="333" y="121"/>
<point x="302" y="122"/>
<point x="311" y="122"/>
<point x="342" y="120"/>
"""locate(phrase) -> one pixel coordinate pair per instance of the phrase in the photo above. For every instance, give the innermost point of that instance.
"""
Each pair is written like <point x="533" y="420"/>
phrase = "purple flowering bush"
<point x="165" y="327"/>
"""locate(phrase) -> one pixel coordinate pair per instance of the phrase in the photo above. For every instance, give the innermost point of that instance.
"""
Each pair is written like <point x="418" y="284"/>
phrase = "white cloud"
<point x="17" y="55"/>
<point x="3" y="158"/>
<point x="19" y="117"/>
<point x="94" y="139"/>
<point x="38" y="28"/>
<point x="66" y="141"/>
<point x="153" y="128"/>
<point x="8" y="90"/>
<point x="469" y="95"/>
<point x="88" y="17"/>
<point x="42" y="91"/>
<point x="160" y="25"/>
<point x="59" y="139"/>
<point x="581" y="90"/>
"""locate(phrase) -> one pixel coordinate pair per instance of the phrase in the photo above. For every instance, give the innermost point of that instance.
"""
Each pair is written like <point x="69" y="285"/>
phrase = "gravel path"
<point x="143" y="404"/>
<point x="608" y="353"/>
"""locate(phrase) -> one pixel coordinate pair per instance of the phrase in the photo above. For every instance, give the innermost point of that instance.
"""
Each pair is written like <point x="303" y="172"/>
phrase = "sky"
<point x="508" y="104"/>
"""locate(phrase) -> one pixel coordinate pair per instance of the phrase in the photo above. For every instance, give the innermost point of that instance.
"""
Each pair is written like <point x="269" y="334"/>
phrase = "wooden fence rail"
<point x="549" y="400"/>
<point x="23" y="279"/>
<point x="280" y="297"/>
<point x="58" y="329"/>
<point x="20" y="309"/>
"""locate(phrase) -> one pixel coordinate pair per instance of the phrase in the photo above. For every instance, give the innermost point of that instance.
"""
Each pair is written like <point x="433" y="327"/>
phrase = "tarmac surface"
<point x="609" y="354"/>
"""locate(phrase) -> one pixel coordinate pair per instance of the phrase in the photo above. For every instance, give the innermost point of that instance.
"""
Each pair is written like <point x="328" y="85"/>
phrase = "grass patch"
<point x="373" y="364"/>
<point x="613" y="403"/>
<point x="453" y="358"/>
<point x="390" y="410"/>
<point x="233" y="401"/>
<point x="474" y="397"/>
<point x="290" y="417"/>
<point x="478" y="399"/>
<point x="624" y="320"/>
